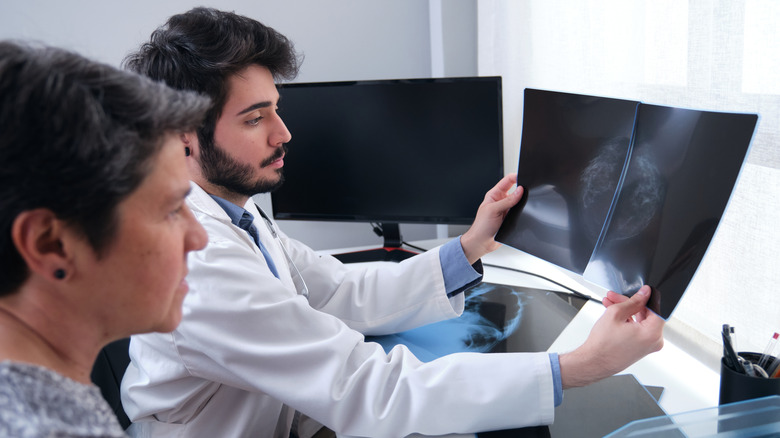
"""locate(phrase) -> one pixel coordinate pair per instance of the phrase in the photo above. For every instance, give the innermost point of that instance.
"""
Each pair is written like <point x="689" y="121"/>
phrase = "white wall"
<point x="345" y="39"/>
<point x="341" y="40"/>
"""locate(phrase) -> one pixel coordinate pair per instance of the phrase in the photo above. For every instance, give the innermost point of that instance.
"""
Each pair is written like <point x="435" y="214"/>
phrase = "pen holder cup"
<point x="736" y="386"/>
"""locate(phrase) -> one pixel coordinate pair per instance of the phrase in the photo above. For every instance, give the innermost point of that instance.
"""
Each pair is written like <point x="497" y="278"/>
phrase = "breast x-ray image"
<point x="573" y="151"/>
<point x="622" y="192"/>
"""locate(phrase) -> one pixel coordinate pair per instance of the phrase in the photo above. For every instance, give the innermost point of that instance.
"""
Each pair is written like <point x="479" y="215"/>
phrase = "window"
<point x="710" y="55"/>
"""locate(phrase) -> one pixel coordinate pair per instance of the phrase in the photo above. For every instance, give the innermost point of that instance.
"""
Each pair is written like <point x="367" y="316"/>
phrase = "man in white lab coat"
<point x="271" y="327"/>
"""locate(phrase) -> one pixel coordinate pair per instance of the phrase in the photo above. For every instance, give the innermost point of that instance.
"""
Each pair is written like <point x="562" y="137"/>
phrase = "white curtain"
<point x="720" y="55"/>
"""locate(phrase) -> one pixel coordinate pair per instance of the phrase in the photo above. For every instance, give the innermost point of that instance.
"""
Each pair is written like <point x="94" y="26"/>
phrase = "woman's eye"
<point x="177" y="211"/>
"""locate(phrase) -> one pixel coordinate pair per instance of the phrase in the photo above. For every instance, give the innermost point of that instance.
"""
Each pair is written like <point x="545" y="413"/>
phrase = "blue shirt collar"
<point x="233" y="211"/>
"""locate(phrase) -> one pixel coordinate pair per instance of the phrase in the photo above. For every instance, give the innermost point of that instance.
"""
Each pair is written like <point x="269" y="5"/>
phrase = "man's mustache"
<point x="279" y="153"/>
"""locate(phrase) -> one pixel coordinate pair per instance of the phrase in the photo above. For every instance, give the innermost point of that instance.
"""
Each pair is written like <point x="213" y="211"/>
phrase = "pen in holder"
<point x="737" y="385"/>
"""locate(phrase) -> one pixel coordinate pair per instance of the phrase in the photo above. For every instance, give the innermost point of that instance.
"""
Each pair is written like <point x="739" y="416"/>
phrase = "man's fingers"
<point x="499" y="190"/>
<point x="510" y="201"/>
<point x="635" y="304"/>
<point x="613" y="298"/>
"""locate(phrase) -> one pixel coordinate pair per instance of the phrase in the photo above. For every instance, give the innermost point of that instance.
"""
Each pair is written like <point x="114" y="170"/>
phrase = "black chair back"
<point x="107" y="374"/>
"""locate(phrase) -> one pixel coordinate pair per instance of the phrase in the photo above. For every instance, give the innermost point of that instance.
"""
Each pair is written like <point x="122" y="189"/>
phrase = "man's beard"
<point x="221" y="169"/>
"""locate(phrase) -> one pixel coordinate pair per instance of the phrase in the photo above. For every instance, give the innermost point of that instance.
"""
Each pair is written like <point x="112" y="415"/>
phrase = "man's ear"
<point x="38" y="236"/>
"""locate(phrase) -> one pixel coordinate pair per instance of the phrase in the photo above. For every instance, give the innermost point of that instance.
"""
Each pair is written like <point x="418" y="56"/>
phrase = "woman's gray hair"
<point x="77" y="137"/>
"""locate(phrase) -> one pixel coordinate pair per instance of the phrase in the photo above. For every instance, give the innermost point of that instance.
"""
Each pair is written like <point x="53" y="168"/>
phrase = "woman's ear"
<point x="38" y="236"/>
<point x="190" y="141"/>
<point x="191" y="150"/>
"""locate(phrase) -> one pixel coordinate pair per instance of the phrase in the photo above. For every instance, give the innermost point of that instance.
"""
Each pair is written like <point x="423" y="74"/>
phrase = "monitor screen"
<point x="390" y="151"/>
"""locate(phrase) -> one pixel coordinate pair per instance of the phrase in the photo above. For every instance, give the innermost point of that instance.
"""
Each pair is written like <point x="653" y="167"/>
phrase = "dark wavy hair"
<point x="77" y="137"/>
<point x="202" y="48"/>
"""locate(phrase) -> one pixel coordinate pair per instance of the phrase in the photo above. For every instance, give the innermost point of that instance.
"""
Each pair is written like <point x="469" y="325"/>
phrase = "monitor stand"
<point x="390" y="252"/>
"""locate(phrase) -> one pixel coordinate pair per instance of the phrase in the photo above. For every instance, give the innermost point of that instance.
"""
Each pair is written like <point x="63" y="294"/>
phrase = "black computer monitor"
<point x="390" y="152"/>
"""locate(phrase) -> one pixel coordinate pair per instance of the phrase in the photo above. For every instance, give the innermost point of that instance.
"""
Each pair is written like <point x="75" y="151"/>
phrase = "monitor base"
<point x="387" y="254"/>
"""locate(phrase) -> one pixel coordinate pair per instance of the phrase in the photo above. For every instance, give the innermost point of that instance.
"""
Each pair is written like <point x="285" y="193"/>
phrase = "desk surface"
<point x="688" y="383"/>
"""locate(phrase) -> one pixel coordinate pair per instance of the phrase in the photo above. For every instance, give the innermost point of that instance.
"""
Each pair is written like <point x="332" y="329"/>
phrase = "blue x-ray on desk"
<point x="497" y="318"/>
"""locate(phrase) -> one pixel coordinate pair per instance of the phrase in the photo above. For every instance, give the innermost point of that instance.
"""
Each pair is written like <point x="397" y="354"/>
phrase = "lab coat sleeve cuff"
<point x="458" y="273"/>
<point x="556" y="372"/>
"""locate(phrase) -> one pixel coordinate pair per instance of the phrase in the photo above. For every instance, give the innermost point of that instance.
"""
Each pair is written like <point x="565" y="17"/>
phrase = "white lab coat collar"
<point x="202" y="203"/>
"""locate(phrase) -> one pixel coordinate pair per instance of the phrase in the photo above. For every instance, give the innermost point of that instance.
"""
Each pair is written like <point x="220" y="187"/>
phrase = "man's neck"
<point x="217" y="190"/>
